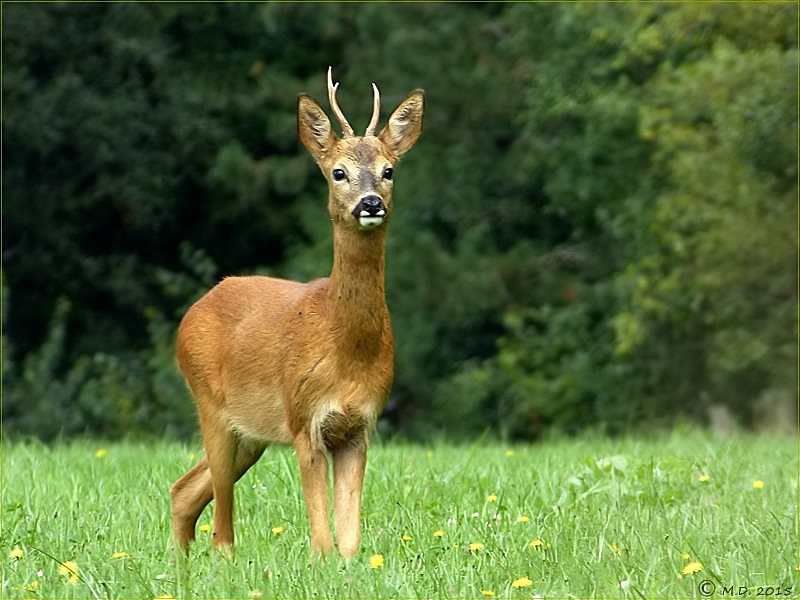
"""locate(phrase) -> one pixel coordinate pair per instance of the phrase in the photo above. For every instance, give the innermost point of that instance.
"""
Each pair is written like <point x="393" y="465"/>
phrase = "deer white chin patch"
<point x="370" y="221"/>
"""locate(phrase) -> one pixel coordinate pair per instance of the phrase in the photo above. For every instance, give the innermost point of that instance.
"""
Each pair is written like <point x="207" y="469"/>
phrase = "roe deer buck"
<point x="309" y="364"/>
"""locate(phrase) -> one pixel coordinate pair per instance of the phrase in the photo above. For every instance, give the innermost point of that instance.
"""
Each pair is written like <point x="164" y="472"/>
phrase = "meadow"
<point x="672" y="515"/>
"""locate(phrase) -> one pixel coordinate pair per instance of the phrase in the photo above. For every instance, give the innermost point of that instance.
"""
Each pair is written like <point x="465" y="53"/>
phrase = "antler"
<point x="376" y="110"/>
<point x="347" y="131"/>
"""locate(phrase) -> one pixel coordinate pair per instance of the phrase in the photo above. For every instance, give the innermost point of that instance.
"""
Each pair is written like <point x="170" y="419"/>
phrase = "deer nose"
<point x="370" y="210"/>
<point x="373" y="205"/>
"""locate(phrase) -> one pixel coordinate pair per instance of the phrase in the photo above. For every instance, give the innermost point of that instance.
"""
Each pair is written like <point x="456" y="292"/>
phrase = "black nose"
<point x="370" y="206"/>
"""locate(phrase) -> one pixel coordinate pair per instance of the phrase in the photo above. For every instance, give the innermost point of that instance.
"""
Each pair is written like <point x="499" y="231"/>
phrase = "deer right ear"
<point x="313" y="127"/>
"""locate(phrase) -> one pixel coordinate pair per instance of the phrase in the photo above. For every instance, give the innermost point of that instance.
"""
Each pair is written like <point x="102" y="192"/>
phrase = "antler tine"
<point x="376" y="110"/>
<point x="347" y="131"/>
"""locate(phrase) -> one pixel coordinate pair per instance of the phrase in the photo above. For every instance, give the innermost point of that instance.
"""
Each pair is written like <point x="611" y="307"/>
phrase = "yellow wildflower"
<point x="703" y="478"/>
<point x="487" y="593"/>
<point x="692" y="568"/>
<point x="523" y="519"/>
<point x="758" y="484"/>
<point x="536" y="544"/>
<point x="69" y="568"/>
<point x="438" y="533"/>
<point x="492" y="498"/>
<point x="521" y="582"/>
<point x="205" y="527"/>
<point x="376" y="561"/>
<point x="32" y="586"/>
<point x="15" y="554"/>
<point x="277" y="530"/>
<point x="509" y="453"/>
<point x="119" y="555"/>
<point x="406" y="537"/>
<point x="101" y="452"/>
<point x="474" y="546"/>
<point x="616" y="549"/>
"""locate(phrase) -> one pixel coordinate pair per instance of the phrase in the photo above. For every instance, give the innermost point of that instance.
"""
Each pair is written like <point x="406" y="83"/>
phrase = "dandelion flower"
<point x="438" y="533"/>
<point x="376" y="561"/>
<point x="703" y="478"/>
<point x="474" y="546"/>
<point x="406" y="537"/>
<point x="692" y="568"/>
<point x="164" y="597"/>
<point x="101" y="452"/>
<point x="536" y="544"/>
<point x="277" y="530"/>
<point x="685" y="556"/>
<point x="205" y="527"/>
<point x="487" y="593"/>
<point x="15" y="554"/>
<point x="69" y="568"/>
<point x="523" y="519"/>
<point x="119" y="555"/>
<point x="492" y="498"/>
<point x="509" y="453"/>
<point x="521" y="582"/>
<point x="758" y="484"/>
<point x="32" y="586"/>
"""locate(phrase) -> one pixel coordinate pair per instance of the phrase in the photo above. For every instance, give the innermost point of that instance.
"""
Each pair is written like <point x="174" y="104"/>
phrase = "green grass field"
<point x="590" y="517"/>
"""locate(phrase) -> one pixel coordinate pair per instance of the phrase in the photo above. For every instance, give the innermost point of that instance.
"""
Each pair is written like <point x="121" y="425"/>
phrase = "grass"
<point x="590" y="517"/>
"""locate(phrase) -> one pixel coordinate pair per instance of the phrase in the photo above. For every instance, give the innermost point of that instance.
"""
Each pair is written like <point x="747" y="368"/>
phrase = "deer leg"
<point x="192" y="492"/>
<point x="189" y="496"/>
<point x="314" y="475"/>
<point x="349" y="462"/>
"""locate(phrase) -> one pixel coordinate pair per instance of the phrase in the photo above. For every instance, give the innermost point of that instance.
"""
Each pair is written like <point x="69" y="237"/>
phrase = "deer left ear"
<point x="405" y="124"/>
<point x="313" y="127"/>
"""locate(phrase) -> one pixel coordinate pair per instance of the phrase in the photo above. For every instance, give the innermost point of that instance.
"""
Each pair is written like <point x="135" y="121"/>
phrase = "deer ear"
<point x="313" y="127"/>
<point x="405" y="124"/>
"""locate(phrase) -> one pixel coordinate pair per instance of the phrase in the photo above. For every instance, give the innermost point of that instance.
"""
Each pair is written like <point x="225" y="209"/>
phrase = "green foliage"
<point x="597" y="227"/>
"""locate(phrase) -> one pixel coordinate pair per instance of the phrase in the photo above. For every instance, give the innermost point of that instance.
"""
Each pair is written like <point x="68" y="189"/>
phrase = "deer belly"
<point x="260" y="420"/>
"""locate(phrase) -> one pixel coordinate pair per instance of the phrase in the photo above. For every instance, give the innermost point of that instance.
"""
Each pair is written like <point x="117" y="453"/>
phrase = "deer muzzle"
<point x="370" y="211"/>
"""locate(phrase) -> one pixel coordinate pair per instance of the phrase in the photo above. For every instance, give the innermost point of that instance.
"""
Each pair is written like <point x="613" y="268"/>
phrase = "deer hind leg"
<point x="349" y="462"/>
<point x="192" y="492"/>
<point x="189" y="496"/>
<point x="314" y="475"/>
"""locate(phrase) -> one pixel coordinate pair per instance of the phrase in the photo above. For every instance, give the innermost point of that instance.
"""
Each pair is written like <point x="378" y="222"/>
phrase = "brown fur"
<point x="276" y="361"/>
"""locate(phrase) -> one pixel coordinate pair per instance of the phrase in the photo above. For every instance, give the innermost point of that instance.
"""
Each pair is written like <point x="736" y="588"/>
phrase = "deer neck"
<point x="356" y="295"/>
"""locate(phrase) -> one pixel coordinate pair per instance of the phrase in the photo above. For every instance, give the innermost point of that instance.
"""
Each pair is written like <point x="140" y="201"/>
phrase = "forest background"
<point x="597" y="228"/>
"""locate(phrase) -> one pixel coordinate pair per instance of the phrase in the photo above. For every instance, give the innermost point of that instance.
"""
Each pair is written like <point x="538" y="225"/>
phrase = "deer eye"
<point x="338" y="174"/>
<point x="388" y="172"/>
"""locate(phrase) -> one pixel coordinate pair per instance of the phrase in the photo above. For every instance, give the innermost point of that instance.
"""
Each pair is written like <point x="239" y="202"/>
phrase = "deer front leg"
<point x="314" y="475"/>
<point x="349" y="462"/>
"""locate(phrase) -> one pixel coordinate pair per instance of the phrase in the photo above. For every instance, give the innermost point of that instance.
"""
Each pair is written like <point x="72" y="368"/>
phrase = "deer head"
<point x="359" y="169"/>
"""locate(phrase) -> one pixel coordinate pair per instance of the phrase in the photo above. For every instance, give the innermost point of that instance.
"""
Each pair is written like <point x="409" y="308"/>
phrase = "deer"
<point x="273" y="361"/>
